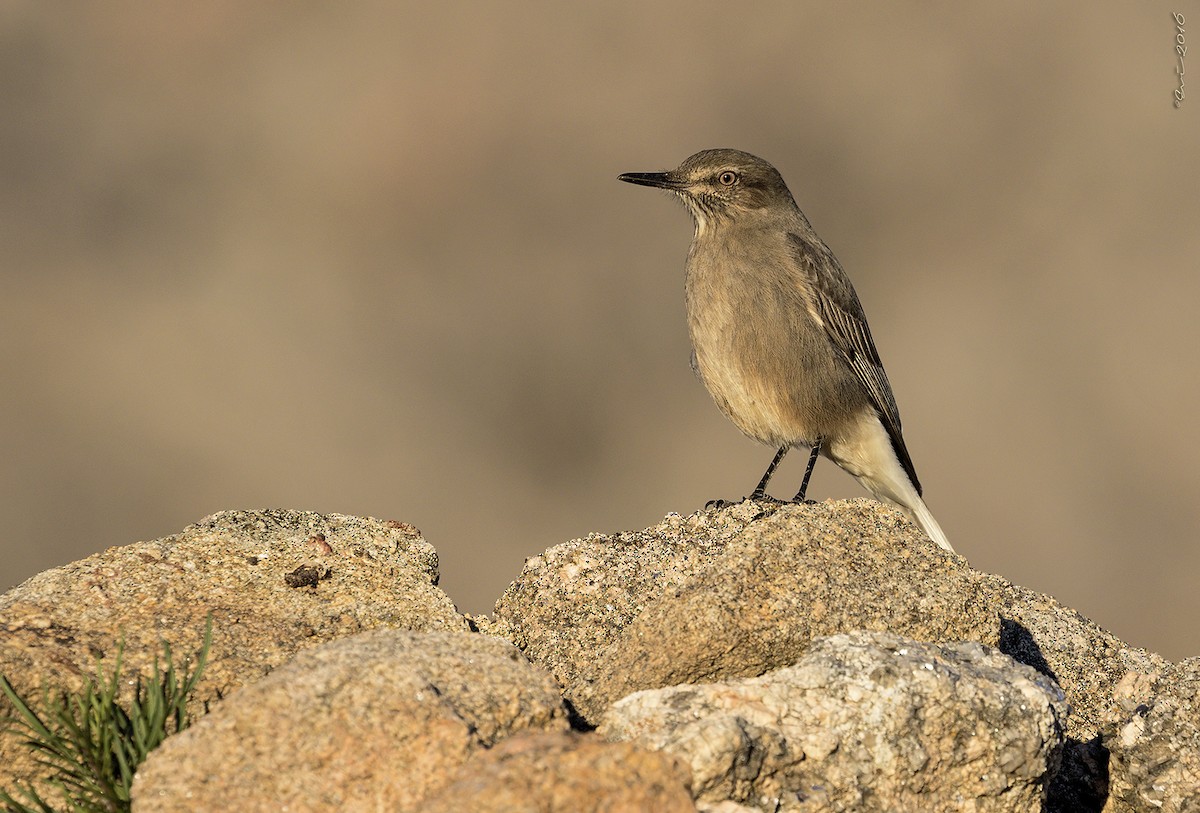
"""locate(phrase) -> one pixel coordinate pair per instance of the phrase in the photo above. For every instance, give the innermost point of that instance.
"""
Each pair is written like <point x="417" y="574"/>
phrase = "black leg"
<point x="761" y="491"/>
<point x="812" y="461"/>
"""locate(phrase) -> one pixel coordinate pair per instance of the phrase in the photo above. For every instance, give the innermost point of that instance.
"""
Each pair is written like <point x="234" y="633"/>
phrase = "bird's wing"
<point x="835" y="306"/>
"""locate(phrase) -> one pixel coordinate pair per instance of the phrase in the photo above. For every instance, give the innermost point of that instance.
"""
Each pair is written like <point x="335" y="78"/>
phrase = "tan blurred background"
<point x="374" y="259"/>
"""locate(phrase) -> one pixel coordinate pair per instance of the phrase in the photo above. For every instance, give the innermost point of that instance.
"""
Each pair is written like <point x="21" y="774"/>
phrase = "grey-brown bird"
<point x="779" y="337"/>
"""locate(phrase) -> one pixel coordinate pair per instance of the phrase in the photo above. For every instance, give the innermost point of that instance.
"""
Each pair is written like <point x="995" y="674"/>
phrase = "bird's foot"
<point x="717" y="505"/>
<point x="802" y="501"/>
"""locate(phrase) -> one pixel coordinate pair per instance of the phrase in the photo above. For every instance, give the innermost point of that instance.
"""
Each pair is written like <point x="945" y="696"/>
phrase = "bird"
<point x="779" y="336"/>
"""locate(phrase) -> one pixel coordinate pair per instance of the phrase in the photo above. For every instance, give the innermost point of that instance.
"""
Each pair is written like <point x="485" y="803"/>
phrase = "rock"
<point x="719" y="597"/>
<point x="570" y="603"/>
<point x="1088" y="662"/>
<point x="732" y="593"/>
<point x="742" y="590"/>
<point x="1154" y="742"/>
<point x="726" y="807"/>
<point x="233" y="565"/>
<point x="556" y="772"/>
<point x="863" y="722"/>
<point x="372" y="722"/>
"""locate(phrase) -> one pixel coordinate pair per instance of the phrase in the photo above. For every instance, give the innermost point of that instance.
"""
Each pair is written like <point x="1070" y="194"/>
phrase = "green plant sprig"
<point x="89" y="744"/>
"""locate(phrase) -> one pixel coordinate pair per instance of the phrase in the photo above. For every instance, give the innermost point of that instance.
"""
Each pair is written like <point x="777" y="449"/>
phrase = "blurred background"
<point x="373" y="259"/>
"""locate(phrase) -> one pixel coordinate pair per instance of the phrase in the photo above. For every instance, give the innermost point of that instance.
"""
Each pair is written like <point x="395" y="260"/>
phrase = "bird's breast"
<point x="764" y="359"/>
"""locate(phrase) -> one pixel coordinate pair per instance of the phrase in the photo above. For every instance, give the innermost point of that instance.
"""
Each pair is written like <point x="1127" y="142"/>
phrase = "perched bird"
<point x="779" y="337"/>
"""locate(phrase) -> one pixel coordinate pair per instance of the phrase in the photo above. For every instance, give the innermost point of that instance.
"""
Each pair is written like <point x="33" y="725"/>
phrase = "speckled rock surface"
<point x="1154" y="742"/>
<point x="540" y="772"/>
<point x="571" y="602"/>
<point x="372" y="722"/>
<point x="274" y="582"/>
<point x="863" y="722"/>
<point x="712" y="597"/>
<point x="732" y="593"/>
<point x="743" y="590"/>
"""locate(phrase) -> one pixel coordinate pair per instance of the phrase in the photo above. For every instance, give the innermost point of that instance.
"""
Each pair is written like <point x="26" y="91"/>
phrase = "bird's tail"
<point x="866" y="451"/>
<point x="920" y="512"/>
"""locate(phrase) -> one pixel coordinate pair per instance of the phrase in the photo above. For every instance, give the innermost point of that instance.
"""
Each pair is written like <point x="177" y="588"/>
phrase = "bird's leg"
<point x="812" y="461"/>
<point x="760" y="492"/>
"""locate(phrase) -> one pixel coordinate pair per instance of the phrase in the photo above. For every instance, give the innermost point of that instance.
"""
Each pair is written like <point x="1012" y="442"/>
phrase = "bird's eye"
<point x="727" y="178"/>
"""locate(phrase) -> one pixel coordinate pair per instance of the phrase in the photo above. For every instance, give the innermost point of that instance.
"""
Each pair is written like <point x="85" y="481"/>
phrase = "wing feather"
<point x="837" y="309"/>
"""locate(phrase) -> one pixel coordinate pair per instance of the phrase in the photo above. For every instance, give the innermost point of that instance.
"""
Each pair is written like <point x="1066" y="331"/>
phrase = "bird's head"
<point x="721" y="185"/>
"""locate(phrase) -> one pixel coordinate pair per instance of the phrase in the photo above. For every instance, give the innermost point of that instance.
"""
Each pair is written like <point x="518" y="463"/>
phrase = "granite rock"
<point x="233" y="566"/>
<point x="1153" y="742"/>
<point x="741" y="590"/>
<point x="376" y="694"/>
<point x="375" y="721"/>
<point x="863" y="722"/>
<point x="556" y="772"/>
